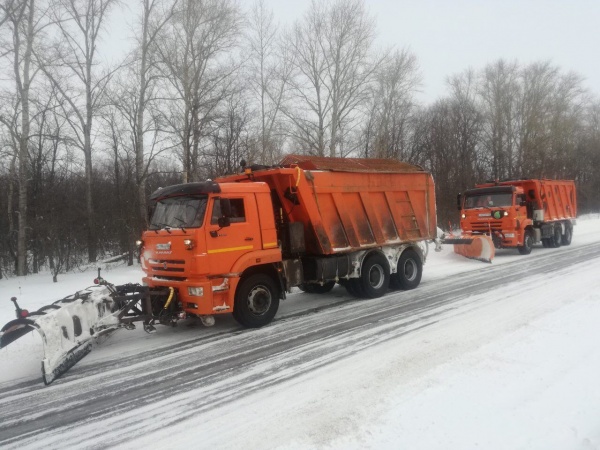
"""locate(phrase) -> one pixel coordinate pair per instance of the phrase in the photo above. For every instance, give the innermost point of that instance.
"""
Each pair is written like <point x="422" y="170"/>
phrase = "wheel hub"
<point x="376" y="276"/>
<point x="410" y="270"/>
<point x="259" y="300"/>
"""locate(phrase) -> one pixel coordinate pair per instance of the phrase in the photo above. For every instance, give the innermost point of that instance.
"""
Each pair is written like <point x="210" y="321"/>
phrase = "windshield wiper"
<point x="182" y="222"/>
<point x="161" y="226"/>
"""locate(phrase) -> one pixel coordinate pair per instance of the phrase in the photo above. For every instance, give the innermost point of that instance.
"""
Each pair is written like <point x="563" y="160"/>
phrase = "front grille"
<point x="486" y="226"/>
<point x="167" y="265"/>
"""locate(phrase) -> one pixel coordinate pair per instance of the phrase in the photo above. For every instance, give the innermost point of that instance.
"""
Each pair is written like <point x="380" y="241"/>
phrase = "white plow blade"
<point x="67" y="333"/>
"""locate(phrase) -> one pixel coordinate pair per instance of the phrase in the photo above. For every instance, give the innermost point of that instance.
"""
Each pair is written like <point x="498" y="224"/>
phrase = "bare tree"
<point x="335" y="62"/>
<point x="270" y="71"/>
<point x="25" y="21"/>
<point x="194" y="53"/>
<point x="393" y="103"/>
<point x="154" y="16"/>
<point x="72" y="70"/>
<point x="499" y="91"/>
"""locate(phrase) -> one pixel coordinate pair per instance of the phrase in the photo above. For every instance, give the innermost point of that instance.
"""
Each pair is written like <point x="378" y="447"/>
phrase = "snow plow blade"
<point x="480" y="247"/>
<point x="69" y="327"/>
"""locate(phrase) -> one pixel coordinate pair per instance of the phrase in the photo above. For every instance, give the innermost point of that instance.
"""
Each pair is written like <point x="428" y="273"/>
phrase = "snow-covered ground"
<point x="515" y="368"/>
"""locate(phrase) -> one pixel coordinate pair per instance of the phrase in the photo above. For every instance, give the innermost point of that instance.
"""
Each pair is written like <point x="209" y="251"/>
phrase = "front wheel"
<point x="409" y="271"/>
<point x="527" y="244"/>
<point x="256" y="301"/>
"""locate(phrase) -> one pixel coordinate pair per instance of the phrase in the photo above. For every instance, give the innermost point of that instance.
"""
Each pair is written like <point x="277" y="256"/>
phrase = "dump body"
<point x="348" y="205"/>
<point x="513" y="212"/>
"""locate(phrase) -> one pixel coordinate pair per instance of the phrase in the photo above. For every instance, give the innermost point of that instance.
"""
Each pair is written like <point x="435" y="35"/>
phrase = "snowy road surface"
<point x="478" y="356"/>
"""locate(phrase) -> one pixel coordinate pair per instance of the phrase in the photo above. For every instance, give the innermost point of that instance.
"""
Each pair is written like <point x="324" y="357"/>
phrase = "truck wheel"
<point x="568" y="236"/>
<point x="527" y="244"/>
<point x="410" y="270"/>
<point x="352" y="286"/>
<point x="374" y="276"/>
<point x="256" y="301"/>
<point x="557" y="238"/>
<point x="316" y="288"/>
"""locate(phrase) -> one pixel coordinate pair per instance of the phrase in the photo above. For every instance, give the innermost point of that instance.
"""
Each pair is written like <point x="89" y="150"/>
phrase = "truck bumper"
<point x="200" y="297"/>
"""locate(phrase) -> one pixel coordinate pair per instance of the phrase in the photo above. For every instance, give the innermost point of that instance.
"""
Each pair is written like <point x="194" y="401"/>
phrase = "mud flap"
<point x="480" y="247"/>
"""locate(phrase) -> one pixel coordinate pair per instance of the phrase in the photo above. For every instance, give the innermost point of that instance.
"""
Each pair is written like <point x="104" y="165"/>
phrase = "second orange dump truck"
<point x="237" y="244"/>
<point x="517" y="214"/>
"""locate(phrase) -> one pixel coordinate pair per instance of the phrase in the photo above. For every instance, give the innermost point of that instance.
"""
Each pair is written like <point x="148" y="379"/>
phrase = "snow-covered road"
<point x="479" y="356"/>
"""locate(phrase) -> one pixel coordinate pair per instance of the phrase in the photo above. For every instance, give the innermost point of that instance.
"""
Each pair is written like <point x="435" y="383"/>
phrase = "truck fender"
<point x="393" y="254"/>
<point x="271" y="270"/>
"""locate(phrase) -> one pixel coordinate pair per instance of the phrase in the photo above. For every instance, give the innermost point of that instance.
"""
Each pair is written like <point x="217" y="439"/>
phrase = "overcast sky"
<point x="449" y="36"/>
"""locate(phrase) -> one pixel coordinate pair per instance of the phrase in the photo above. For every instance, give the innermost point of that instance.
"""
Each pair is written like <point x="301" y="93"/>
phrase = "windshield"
<point x="488" y="200"/>
<point x="179" y="212"/>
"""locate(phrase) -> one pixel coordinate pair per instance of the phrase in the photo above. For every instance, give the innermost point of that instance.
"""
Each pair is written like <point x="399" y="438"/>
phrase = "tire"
<point x="556" y="239"/>
<point x="352" y="287"/>
<point x="527" y="243"/>
<point x="256" y="301"/>
<point x="568" y="236"/>
<point x="374" y="278"/>
<point x="316" y="288"/>
<point x="409" y="271"/>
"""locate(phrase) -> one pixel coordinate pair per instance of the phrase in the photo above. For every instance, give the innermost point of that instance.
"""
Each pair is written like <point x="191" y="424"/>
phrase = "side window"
<point x="238" y="212"/>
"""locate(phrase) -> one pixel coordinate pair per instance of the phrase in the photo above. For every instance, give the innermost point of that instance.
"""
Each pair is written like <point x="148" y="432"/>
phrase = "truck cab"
<point x="502" y="212"/>
<point x="203" y="236"/>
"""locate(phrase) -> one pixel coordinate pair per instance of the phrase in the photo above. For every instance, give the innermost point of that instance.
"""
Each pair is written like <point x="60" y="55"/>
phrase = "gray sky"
<point x="449" y="36"/>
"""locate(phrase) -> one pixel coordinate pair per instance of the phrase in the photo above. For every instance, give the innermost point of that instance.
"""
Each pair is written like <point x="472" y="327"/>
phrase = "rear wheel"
<point x="527" y="243"/>
<point x="352" y="286"/>
<point x="409" y="273"/>
<point x="568" y="236"/>
<point x="256" y="301"/>
<point x="374" y="276"/>
<point x="556" y="238"/>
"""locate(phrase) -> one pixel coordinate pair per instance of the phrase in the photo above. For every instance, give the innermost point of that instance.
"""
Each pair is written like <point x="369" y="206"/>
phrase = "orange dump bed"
<point x="348" y="204"/>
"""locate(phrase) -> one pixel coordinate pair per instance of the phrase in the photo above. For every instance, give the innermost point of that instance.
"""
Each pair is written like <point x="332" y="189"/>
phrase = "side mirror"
<point x="225" y="207"/>
<point x="459" y="201"/>
<point x="223" y="222"/>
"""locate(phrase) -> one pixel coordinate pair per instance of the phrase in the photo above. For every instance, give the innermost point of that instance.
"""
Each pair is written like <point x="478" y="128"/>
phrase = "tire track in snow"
<point x="217" y="369"/>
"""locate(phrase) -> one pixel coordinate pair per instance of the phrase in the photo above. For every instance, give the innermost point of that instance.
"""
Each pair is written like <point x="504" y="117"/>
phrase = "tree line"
<point x="207" y="84"/>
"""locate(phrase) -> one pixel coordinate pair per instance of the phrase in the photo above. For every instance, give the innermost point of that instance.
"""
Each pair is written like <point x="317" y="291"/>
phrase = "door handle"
<point x="249" y="239"/>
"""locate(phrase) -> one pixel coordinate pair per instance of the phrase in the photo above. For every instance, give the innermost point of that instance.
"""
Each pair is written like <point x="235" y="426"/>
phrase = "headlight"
<point x="189" y="243"/>
<point x="139" y="243"/>
<point x="463" y="216"/>
<point x="195" y="291"/>
<point x="506" y="213"/>
<point x="509" y="235"/>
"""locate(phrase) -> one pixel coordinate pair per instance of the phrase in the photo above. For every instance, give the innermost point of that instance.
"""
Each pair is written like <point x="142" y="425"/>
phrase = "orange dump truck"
<point x="518" y="214"/>
<point x="239" y="243"/>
